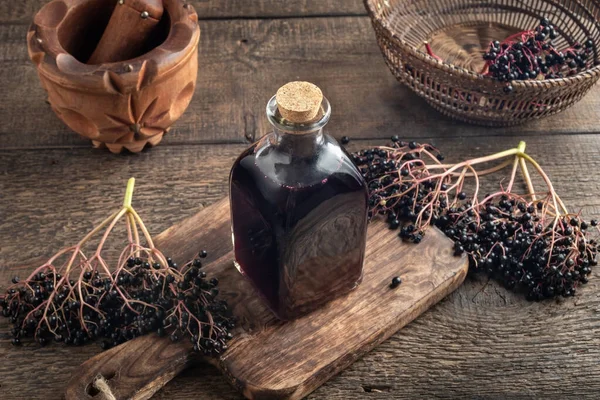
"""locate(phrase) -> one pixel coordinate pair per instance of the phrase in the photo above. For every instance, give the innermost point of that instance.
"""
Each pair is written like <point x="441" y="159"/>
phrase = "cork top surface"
<point x="299" y="102"/>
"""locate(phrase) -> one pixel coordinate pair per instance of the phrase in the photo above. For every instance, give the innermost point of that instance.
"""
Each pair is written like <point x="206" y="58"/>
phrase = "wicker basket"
<point x="459" y="31"/>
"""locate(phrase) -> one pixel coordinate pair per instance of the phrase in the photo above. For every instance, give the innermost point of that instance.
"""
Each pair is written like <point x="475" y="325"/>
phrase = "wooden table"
<point x="481" y="342"/>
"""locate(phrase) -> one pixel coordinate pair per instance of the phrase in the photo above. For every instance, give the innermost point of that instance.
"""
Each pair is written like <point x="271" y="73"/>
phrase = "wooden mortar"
<point x="123" y="104"/>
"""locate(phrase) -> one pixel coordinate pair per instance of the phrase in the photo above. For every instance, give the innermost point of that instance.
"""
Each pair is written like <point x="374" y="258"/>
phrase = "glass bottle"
<point x="298" y="208"/>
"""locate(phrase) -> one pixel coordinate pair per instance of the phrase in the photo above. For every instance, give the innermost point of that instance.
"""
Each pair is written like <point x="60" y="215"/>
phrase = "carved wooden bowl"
<point x="127" y="104"/>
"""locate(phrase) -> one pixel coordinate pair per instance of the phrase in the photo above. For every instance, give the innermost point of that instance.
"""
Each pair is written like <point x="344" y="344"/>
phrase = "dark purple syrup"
<point x="299" y="222"/>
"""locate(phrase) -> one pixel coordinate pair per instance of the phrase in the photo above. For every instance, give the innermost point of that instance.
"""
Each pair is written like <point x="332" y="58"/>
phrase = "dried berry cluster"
<point x="532" y="54"/>
<point x="77" y="298"/>
<point x="529" y="242"/>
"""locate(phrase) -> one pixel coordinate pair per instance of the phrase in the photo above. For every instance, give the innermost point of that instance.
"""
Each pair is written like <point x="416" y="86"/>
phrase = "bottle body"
<point x="299" y="220"/>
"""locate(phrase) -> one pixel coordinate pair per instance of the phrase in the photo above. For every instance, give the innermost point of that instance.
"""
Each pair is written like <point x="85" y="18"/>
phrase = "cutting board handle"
<point x="134" y="370"/>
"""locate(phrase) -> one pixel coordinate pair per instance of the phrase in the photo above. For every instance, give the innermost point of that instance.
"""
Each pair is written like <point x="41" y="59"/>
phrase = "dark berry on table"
<point x="345" y="140"/>
<point x="394" y="224"/>
<point x="396" y="281"/>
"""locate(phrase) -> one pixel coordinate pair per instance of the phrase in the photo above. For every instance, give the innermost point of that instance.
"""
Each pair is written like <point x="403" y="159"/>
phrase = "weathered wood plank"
<point x="243" y="62"/>
<point x="23" y="11"/>
<point x="480" y="334"/>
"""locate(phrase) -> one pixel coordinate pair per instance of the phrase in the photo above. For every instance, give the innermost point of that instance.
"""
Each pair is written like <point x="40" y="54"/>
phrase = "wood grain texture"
<point x="21" y="12"/>
<point x="480" y="342"/>
<point x="247" y="60"/>
<point x="269" y="359"/>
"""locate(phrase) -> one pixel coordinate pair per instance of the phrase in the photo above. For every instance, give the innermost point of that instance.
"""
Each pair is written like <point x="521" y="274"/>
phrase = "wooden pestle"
<point x="131" y="23"/>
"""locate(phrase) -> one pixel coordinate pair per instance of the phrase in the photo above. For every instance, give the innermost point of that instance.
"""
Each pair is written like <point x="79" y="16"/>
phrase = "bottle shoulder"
<point x="265" y="159"/>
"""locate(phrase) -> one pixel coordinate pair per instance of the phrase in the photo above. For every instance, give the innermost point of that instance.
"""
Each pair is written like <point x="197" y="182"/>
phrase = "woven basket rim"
<point x="463" y="72"/>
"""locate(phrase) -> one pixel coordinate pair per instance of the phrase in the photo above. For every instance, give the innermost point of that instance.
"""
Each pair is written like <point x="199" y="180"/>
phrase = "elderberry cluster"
<point x="511" y="240"/>
<point x="508" y="240"/>
<point x="139" y="298"/>
<point x="531" y="54"/>
<point x="377" y="168"/>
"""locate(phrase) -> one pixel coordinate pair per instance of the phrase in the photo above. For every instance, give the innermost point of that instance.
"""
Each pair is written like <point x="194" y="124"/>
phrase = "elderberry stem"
<point x="155" y="251"/>
<point x="136" y="235"/>
<point x="109" y="229"/>
<point x="555" y="197"/>
<point x="470" y="174"/>
<point x="142" y="227"/>
<point x="521" y="148"/>
<point x="96" y="230"/>
<point x="513" y="173"/>
<point x="430" y="51"/>
<point x="475" y="161"/>
<point x="527" y="178"/>
<point x="129" y="193"/>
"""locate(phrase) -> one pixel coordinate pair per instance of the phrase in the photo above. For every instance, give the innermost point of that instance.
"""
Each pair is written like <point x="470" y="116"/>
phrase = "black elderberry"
<point x="203" y="254"/>
<point x="583" y="226"/>
<point x="345" y="140"/>
<point x="396" y="281"/>
<point x="574" y="221"/>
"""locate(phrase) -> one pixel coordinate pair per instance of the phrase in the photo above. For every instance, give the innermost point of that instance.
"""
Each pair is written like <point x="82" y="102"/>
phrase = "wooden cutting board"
<point x="269" y="359"/>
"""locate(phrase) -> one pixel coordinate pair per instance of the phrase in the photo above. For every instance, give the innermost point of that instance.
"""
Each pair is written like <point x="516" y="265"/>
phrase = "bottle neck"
<point x="298" y="140"/>
<point x="298" y="144"/>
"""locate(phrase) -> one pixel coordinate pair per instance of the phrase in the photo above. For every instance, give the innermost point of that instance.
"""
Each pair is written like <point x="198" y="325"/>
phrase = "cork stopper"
<point x="299" y="102"/>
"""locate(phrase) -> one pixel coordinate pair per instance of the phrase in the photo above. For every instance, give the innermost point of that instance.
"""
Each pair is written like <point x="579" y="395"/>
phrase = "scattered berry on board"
<point x="396" y="281"/>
